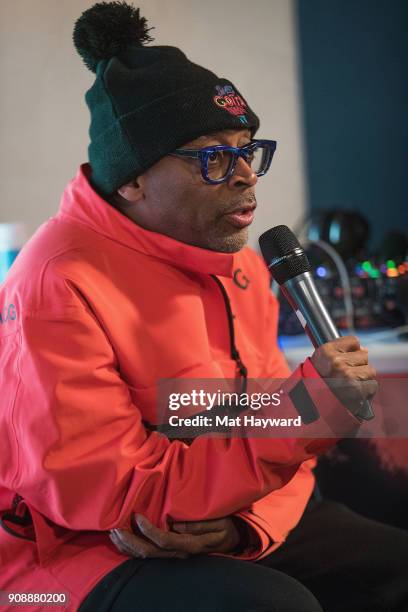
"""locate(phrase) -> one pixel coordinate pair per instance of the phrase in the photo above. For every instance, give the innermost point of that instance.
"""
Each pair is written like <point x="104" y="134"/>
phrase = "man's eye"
<point x="215" y="156"/>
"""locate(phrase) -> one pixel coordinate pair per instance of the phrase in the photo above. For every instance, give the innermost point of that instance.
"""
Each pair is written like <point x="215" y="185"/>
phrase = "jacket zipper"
<point x="242" y="369"/>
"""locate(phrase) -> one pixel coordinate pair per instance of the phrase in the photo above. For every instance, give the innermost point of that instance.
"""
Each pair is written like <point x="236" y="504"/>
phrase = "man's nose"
<point x="242" y="175"/>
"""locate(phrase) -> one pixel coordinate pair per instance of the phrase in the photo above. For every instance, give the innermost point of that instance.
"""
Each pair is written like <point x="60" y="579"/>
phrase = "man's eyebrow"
<point x="205" y="138"/>
<point x="218" y="136"/>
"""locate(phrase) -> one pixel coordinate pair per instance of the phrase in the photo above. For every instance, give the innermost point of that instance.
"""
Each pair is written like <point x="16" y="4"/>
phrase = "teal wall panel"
<point x="354" y="79"/>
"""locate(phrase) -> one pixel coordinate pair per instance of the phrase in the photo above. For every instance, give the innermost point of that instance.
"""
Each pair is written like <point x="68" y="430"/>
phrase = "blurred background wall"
<point x="44" y="119"/>
<point x="353" y="69"/>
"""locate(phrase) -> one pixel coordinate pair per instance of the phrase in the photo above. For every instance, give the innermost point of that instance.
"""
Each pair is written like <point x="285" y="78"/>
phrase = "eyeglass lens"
<point x="220" y="162"/>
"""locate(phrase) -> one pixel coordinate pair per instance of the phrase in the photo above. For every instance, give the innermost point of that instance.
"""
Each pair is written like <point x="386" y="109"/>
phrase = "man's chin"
<point x="231" y="243"/>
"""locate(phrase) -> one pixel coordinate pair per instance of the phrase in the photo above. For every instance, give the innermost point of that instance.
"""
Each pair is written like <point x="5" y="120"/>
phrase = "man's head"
<point x="146" y="103"/>
<point x="172" y="198"/>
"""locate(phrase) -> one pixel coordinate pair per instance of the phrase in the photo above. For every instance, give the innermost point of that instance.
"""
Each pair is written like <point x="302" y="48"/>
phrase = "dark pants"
<point x="335" y="560"/>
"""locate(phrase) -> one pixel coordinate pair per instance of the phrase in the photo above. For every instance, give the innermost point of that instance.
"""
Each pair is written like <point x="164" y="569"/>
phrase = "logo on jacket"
<point x="230" y="101"/>
<point x="9" y="313"/>
<point x="240" y="279"/>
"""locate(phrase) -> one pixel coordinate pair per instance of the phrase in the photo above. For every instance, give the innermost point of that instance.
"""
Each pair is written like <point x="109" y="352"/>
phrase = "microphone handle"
<point x="302" y="295"/>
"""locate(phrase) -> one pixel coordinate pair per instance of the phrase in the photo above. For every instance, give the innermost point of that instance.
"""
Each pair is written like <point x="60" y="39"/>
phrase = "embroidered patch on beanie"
<point x="230" y="101"/>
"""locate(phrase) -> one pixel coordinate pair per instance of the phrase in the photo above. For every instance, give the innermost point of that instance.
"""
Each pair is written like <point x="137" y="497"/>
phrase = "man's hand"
<point x="187" y="538"/>
<point x="344" y="363"/>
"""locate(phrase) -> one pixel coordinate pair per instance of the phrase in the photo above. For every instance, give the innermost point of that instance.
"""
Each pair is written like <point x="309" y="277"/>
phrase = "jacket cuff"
<point x="317" y="402"/>
<point x="330" y="407"/>
<point x="255" y="543"/>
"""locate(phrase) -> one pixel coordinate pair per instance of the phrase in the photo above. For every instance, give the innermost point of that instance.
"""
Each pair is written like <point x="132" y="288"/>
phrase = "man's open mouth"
<point x="241" y="216"/>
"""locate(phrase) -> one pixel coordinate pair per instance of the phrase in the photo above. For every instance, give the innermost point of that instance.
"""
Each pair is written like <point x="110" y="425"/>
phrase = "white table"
<point x="387" y="356"/>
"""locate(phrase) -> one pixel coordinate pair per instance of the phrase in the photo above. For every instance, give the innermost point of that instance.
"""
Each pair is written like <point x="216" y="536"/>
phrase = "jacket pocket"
<point x="17" y="541"/>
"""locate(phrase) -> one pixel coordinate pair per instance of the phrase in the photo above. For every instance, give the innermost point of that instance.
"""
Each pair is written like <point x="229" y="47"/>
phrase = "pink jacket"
<point x="94" y="311"/>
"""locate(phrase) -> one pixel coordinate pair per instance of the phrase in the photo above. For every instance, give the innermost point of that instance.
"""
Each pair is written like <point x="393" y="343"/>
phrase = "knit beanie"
<point x="146" y="101"/>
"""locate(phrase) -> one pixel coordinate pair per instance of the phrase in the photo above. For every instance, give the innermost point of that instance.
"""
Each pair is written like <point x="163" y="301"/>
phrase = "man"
<point x="143" y="275"/>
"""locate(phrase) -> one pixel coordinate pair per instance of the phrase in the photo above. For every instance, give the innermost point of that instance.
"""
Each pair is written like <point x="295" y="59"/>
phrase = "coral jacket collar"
<point x="80" y="203"/>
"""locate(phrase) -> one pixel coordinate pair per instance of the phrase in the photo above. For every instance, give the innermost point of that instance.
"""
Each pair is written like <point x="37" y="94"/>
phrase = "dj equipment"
<point x="379" y="293"/>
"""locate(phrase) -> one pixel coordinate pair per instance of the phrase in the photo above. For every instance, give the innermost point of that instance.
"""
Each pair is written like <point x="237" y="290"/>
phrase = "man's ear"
<point x="132" y="191"/>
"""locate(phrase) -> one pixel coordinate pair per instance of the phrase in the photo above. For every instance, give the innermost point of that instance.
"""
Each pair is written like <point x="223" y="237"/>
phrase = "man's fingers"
<point x="127" y="547"/>
<point x="200" y="527"/>
<point x="358" y="381"/>
<point x="191" y="538"/>
<point x="360" y="372"/>
<point x="355" y="358"/>
<point x="346" y="344"/>
<point x="205" y="542"/>
<point x="178" y="541"/>
<point x="344" y="364"/>
<point x="163" y="539"/>
<point x="130" y="544"/>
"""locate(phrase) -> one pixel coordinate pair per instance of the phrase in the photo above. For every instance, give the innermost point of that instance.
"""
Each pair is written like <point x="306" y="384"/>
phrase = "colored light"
<point x="392" y="272"/>
<point x="367" y="266"/>
<point x="375" y="274"/>
<point x="401" y="269"/>
<point x="383" y="268"/>
<point x="321" y="271"/>
<point x="390" y="263"/>
<point x="334" y="232"/>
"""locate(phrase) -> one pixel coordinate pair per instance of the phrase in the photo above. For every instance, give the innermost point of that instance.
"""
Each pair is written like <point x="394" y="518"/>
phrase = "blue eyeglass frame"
<point x="204" y="154"/>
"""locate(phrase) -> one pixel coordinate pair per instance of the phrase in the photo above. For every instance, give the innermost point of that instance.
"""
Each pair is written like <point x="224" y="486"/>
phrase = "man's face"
<point x="175" y="200"/>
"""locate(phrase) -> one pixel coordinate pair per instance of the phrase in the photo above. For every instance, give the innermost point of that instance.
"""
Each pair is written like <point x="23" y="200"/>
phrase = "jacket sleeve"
<point x="84" y="459"/>
<point x="269" y="520"/>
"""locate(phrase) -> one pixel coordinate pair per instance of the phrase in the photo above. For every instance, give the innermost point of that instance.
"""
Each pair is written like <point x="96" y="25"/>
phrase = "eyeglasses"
<point x="218" y="162"/>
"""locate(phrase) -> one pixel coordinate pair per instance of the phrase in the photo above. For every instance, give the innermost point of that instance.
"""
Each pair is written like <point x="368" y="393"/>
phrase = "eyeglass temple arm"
<point x="186" y="153"/>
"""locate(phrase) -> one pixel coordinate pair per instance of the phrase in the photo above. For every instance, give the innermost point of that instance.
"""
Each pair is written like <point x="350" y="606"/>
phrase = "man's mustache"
<point x="247" y="202"/>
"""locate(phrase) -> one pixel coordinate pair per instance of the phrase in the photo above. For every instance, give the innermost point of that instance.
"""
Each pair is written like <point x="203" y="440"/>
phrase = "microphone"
<point x="291" y="269"/>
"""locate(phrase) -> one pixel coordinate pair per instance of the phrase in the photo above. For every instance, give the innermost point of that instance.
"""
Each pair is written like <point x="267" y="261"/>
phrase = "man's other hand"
<point x="344" y="363"/>
<point x="186" y="538"/>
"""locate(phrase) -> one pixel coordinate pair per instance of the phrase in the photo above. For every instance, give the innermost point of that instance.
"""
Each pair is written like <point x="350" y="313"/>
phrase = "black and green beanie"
<point x="146" y="101"/>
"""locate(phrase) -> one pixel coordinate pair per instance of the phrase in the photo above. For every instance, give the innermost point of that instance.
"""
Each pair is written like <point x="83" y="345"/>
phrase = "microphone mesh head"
<point x="278" y="241"/>
<point x="281" y="242"/>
